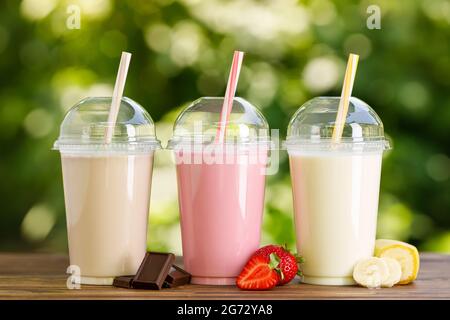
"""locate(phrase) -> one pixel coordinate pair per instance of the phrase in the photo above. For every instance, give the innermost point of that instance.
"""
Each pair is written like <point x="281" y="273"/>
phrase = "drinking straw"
<point x="117" y="94"/>
<point x="229" y="95"/>
<point x="347" y="87"/>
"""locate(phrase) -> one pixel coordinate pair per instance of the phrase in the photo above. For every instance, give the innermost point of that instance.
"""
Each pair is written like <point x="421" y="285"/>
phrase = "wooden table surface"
<point x="42" y="276"/>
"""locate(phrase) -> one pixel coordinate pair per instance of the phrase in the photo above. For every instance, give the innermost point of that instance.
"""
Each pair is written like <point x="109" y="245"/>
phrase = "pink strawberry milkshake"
<point x="221" y="207"/>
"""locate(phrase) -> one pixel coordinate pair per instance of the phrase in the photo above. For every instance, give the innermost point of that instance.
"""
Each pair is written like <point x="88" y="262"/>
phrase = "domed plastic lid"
<point x="199" y="122"/>
<point x="311" y="127"/>
<point x="85" y="125"/>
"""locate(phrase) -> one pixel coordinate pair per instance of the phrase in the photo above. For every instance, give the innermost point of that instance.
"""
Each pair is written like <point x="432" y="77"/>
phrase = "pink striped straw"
<point x="233" y="78"/>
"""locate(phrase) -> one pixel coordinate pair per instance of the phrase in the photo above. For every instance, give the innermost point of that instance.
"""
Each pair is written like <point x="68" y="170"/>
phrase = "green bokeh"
<point x="181" y="51"/>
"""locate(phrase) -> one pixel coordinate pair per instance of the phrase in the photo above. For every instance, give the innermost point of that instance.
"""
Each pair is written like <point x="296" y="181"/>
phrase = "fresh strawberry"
<point x="259" y="273"/>
<point x="288" y="267"/>
<point x="267" y="250"/>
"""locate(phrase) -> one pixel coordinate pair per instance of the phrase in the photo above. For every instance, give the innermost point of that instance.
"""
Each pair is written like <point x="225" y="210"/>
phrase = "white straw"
<point x="347" y="87"/>
<point x="117" y="94"/>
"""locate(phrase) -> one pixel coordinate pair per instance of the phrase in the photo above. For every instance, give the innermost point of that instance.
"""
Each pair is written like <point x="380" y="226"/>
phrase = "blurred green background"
<point x="182" y="50"/>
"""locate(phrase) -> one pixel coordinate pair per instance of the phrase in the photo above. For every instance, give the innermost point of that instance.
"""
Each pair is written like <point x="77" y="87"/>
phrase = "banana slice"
<point x="371" y="272"/>
<point x="405" y="254"/>
<point x="395" y="272"/>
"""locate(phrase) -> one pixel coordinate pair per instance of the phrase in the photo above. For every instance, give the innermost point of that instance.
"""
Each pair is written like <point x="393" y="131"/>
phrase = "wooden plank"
<point x="41" y="276"/>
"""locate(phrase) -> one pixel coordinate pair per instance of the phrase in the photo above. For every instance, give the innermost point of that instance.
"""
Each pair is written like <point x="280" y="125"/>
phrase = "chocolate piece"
<point x="177" y="277"/>
<point x="123" y="282"/>
<point x="153" y="270"/>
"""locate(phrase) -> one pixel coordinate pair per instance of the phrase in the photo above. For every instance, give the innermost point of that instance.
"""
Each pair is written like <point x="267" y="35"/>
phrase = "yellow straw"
<point x="347" y="87"/>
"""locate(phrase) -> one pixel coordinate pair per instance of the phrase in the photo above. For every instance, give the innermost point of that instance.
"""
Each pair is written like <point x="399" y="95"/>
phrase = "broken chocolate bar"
<point x="153" y="270"/>
<point x="123" y="282"/>
<point x="176" y="277"/>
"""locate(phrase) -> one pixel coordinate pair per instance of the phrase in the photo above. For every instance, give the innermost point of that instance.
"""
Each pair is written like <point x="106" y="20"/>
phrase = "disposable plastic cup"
<point x="106" y="188"/>
<point x="335" y="187"/>
<point x="220" y="188"/>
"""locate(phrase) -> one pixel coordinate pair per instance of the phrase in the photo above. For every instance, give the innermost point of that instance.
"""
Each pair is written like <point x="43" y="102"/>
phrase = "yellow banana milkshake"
<point x="335" y="205"/>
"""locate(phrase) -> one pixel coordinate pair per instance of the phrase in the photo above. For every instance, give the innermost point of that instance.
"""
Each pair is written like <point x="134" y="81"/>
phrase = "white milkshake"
<point x="335" y="205"/>
<point x="335" y="187"/>
<point x="107" y="205"/>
